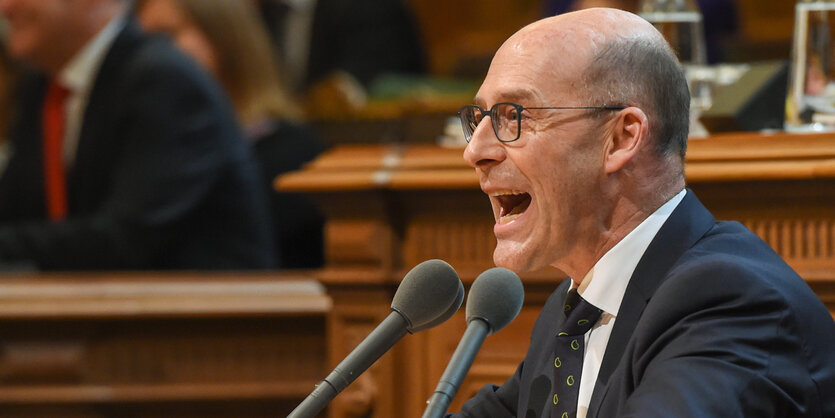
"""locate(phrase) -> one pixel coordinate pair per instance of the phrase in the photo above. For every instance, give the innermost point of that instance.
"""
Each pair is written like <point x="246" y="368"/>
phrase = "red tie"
<point x="53" y="139"/>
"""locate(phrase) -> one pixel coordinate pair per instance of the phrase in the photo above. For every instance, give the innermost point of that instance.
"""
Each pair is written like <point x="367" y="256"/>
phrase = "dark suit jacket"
<point x="162" y="178"/>
<point x="298" y="232"/>
<point x="713" y="324"/>
<point x="366" y="38"/>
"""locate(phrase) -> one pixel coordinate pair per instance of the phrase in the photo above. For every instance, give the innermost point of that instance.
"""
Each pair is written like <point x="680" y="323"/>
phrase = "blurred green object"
<point x="405" y="87"/>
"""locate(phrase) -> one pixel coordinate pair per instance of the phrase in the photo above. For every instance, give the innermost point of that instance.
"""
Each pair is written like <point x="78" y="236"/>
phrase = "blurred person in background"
<point x="125" y="154"/>
<point x="8" y="80"/>
<point x="228" y="38"/>
<point x="332" y="51"/>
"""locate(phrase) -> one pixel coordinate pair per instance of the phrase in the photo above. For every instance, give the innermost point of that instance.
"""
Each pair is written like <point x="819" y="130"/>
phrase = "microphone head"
<point x="427" y="294"/>
<point x="495" y="297"/>
<point x="453" y="308"/>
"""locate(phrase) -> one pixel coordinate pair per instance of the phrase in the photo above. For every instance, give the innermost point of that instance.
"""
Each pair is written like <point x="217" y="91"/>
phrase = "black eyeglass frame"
<point x="519" y="108"/>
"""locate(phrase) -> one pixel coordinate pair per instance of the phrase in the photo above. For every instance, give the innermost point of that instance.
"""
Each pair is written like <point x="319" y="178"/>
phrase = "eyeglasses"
<point x="507" y="118"/>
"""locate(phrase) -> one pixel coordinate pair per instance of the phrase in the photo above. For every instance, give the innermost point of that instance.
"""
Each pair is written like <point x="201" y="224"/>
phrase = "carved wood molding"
<point x="142" y="294"/>
<point x="123" y="342"/>
<point x="721" y="158"/>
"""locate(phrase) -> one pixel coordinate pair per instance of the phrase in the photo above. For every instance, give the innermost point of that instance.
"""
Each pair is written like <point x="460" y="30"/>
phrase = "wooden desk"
<point x="391" y="207"/>
<point x="159" y="344"/>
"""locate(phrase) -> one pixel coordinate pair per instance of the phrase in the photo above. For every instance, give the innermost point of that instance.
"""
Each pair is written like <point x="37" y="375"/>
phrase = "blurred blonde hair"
<point x="246" y="60"/>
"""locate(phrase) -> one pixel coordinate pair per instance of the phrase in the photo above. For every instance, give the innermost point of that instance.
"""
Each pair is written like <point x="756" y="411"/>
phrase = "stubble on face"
<point x="558" y="161"/>
<point x="561" y="168"/>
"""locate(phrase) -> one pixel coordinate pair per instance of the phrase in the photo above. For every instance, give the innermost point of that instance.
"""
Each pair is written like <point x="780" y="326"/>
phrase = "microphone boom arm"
<point x="457" y="368"/>
<point x="389" y="332"/>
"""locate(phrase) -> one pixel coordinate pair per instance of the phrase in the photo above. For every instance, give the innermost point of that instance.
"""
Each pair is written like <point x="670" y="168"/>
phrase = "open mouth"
<point x="513" y="204"/>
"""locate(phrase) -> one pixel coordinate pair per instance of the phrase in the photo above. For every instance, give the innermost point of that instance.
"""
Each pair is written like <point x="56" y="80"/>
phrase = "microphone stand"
<point x="391" y="330"/>
<point x="457" y="368"/>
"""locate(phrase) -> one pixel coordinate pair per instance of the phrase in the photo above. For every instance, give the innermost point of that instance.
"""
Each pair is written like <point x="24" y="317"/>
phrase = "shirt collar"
<point x="300" y="4"/>
<point x="605" y="284"/>
<point x="79" y="73"/>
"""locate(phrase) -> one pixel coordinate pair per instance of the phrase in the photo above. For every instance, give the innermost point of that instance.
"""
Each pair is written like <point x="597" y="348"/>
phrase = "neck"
<point x="81" y="31"/>
<point x="626" y="201"/>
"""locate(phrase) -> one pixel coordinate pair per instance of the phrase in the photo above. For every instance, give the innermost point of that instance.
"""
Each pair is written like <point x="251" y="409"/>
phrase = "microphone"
<point x="495" y="299"/>
<point x="428" y="295"/>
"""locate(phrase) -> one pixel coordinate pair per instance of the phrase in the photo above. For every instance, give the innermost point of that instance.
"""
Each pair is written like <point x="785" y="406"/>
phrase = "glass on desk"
<point x="680" y="21"/>
<point x="810" y="105"/>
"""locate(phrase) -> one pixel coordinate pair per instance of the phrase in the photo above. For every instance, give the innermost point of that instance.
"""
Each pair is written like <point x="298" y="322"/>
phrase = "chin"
<point x="20" y="48"/>
<point x="512" y="260"/>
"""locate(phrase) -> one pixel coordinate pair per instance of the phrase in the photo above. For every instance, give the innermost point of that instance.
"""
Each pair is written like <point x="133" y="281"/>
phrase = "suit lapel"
<point x="686" y="225"/>
<point x="534" y="399"/>
<point x="96" y="142"/>
<point x="23" y="177"/>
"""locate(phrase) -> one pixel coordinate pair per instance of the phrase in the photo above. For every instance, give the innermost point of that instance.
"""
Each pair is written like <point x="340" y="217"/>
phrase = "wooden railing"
<point x="159" y="344"/>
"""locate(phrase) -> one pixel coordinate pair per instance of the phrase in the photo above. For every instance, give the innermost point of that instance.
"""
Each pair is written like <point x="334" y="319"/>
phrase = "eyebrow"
<point x="514" y="95"/>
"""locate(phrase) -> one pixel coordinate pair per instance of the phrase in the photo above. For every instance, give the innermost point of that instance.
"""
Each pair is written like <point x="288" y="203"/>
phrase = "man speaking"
<point x="578" y="136"/>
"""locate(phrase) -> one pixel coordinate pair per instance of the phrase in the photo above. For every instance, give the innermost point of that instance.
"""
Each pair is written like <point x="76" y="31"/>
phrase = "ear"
<point x="629" y="135"/>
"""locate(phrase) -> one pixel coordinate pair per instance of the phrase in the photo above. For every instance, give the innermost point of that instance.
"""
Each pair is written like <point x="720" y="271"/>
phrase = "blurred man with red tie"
<point x="125" y="155"/>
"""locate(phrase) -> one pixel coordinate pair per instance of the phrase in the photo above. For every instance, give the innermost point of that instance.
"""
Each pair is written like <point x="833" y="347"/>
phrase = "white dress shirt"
<point x="604" y="287"/>
<point x="78" y="77"/>
<point x="295" y="40"/>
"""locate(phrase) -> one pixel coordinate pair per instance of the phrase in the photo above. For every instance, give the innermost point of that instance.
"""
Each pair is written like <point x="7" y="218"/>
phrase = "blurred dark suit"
<point x="282" y="147"/>
<point x="161" y="177"/>
<point x="364" y="38"/>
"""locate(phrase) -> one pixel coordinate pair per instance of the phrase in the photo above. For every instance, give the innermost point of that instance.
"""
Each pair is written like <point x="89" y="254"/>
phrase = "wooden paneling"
<point x="155" y="345"/>
<point x="398" y="206"/>
<point x="766" y="20"/>
<point x="458" y="34"/>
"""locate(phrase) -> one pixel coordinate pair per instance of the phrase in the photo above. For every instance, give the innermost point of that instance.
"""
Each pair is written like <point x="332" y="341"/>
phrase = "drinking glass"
<point x="680" y="21"/>
<point x="810" y="105"/>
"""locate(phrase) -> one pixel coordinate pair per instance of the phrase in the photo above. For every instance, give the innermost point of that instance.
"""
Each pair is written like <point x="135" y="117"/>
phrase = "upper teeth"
<point x="507" y="192"/>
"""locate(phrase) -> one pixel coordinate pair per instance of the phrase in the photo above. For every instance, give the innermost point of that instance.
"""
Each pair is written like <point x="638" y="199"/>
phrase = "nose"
<point x="484" y="149"/>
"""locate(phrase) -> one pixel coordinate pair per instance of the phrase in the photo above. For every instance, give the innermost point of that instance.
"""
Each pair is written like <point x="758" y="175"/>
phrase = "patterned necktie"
<point x="568" y="354"/>
<point x="55" y="185"/>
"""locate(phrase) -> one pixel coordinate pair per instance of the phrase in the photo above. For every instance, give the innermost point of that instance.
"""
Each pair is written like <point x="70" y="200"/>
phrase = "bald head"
<point x="605" y="56"/>
<point x="585" y="32"/>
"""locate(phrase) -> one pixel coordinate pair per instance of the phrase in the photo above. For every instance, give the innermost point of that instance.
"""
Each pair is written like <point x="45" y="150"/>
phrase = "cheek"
<point x="559" y="181"/>
<point x="550" y="171"/>
<point x="23" y="39"/>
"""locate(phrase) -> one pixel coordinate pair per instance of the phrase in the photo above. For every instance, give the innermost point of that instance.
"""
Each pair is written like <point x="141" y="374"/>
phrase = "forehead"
<point x="534" y="67"/>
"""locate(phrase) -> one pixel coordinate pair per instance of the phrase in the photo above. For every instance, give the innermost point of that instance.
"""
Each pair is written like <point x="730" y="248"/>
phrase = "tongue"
<point x="515" y="204"/>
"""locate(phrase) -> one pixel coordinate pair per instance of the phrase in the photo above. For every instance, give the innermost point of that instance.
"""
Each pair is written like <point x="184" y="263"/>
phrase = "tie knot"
<point x="57" y="92"/>
<point x="580" y="314"/>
